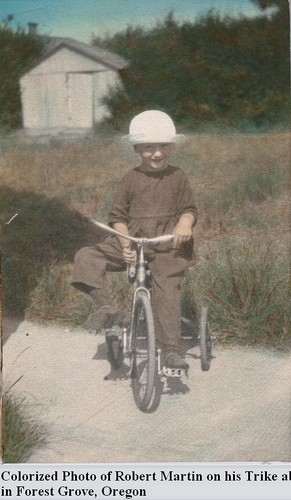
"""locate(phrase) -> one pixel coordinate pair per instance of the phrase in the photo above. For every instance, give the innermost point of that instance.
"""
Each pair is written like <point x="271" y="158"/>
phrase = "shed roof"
<point x="92" y="52"/>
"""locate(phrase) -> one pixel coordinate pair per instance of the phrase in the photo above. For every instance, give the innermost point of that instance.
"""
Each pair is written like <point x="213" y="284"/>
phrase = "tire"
<point x="205" y="341"/>
<point x="143" y="353"/>
<point x="114" y="350"/>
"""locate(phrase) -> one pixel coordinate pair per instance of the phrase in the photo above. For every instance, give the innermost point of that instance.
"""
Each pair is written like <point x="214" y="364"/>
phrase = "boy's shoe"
<point x="173" y="360"/>
<point x="104" y="317"/>
<point x="106" y="314"/>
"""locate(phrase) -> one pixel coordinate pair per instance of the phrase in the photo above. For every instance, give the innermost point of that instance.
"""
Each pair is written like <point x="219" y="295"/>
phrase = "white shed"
<point x="63" y="92"/>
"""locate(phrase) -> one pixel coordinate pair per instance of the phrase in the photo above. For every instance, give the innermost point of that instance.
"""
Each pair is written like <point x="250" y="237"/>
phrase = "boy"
<point x="154" y="198"/>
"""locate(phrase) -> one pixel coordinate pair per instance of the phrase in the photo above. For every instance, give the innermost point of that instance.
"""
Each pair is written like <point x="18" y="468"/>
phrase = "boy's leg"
<point x="166" y="305"/>
<point x="91" y="264"/>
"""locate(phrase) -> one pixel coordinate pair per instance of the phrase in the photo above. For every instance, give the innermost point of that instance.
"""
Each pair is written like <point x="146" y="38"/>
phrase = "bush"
<point x="244" y="282"/>
<point x="18" y="52"/>
<point x="260" y="184"/>
<point x="246" y="285"/>
<point x="22" y="435"/>
<point x="120" y="289"/>
<point x="216" y="70"/>
<point x="189" y="301"/>
<point x="239" y="182"/>
<point x="44" y="232"/>
<point x="255" y="186"/>
<point x="54" y="299"/>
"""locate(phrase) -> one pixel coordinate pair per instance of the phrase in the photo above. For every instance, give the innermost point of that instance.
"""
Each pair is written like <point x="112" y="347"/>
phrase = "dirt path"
<point x="238" y="411"/>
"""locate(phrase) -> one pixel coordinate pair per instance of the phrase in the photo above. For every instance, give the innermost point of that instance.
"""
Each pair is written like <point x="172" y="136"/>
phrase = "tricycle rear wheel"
<point x="205" y="340"/>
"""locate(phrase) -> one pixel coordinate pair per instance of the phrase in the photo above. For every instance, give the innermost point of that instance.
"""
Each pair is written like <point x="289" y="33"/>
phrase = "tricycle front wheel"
<point x="143" y="353"/>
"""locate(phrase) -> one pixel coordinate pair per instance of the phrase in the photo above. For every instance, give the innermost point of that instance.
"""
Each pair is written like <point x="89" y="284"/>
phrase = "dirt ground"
<point x="238" y="411"/>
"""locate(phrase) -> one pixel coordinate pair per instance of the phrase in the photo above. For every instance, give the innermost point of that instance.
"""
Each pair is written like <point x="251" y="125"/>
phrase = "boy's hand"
<point x="183" y="230"/>
<point x="129" y="256"/>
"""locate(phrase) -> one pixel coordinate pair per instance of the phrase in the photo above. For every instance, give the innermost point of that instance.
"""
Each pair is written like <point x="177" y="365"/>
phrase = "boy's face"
<point x="154" y="155"/>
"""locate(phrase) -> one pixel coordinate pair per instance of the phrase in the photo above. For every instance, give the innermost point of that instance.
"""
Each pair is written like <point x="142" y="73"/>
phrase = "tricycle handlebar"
<point x="142" y="241"/>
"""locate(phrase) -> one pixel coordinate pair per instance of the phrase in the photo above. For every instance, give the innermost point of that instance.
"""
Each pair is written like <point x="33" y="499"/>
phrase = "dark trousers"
<point x="92" y="263"/>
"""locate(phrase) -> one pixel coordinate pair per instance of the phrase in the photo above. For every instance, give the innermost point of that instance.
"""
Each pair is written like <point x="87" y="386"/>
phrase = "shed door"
<point x="44" y="101"/>
<point x="80" y="100"/>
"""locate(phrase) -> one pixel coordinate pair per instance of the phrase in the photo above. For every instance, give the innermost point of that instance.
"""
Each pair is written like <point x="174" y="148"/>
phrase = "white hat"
<point x="152" y="126"/>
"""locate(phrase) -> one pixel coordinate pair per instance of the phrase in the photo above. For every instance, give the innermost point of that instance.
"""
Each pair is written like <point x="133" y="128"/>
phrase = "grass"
<point x="22" y="435"/>
<point x="54" y="299"/>
<point x="45" y="232"/>
<point x="240" y="182"/>
<point x="246" y="283"/>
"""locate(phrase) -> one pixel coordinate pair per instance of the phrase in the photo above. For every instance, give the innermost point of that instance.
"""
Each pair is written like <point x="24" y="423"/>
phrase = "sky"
<point x="83" y="19"/>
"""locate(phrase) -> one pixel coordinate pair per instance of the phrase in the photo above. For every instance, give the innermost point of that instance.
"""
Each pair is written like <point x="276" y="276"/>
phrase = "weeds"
<point x="54" y="299"/>
<point x="45" y="231"/>
<point x="256" y="186"/>
<point x="22" y="435"/>
<point x="246" y="284"/>
<point x="252" y="187"/>
<point x="239" y="182"/>
<point x="120" y="289"/>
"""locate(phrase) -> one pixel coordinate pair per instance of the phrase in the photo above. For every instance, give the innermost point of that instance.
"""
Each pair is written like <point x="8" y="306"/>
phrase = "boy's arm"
<point x="122" y="228"/>
<point x="183" y="229"/>
<point x="128" y="254"/>
<point x="187" y="212"/>
<point x="118" y="217"/>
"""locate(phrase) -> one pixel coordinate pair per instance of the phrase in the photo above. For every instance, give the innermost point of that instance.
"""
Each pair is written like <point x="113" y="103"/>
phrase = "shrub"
<point x="244" y="282"/>
<point x="239" y="182"/>
<point x="189" y="302"/>
<point x="18" y="52"/>
<point x="54" y="299"/>
<point x="260" y="183"/>
<point x="120" y="289"/>
<point x="246" y="285"/>
<point x="216" y="70"/>
<point x="45" y="231"/>
<point x="21" y="433"/>
<point x="255" y="186"/>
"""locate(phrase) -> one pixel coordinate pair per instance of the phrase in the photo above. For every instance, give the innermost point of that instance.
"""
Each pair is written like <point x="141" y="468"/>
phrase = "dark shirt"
<point x="150" y="203"/>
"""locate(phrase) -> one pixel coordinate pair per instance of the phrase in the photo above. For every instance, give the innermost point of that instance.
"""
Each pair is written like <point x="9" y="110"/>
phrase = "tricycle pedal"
<point x="174" y="372"/>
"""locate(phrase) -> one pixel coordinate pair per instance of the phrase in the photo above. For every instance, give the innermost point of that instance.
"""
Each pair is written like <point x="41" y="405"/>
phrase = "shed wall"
<point x="66" y="92"/>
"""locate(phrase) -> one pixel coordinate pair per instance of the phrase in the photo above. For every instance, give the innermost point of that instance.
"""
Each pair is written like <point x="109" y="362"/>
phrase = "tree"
<point x="266" y="4"/>
<point x="18" y="51"/>
<point x="217" y="69"/>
